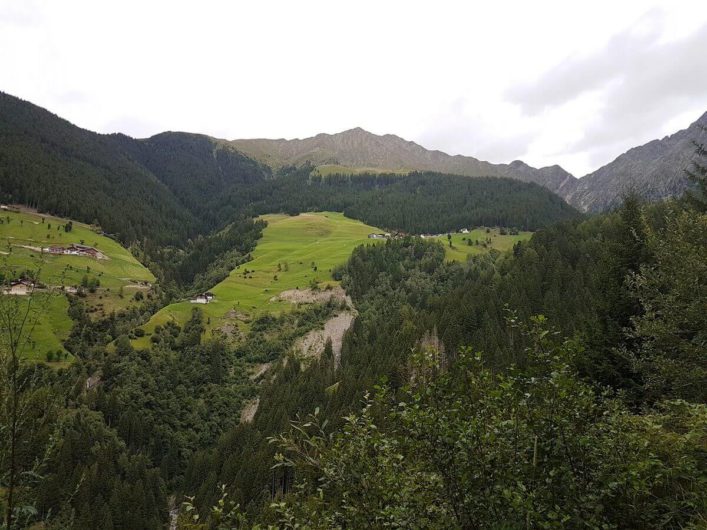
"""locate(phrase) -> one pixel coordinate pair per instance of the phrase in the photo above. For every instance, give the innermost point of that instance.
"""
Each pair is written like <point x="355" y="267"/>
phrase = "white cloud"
<point x="448" y="74"/>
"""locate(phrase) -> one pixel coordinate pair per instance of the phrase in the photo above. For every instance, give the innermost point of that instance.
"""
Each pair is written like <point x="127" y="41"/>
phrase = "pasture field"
<point x="461" y="250"/>
<point x="49" y="325"/>
<point x="335" y="169"/>
<point x="22" y="236"/>
<point x="293" y="253"/>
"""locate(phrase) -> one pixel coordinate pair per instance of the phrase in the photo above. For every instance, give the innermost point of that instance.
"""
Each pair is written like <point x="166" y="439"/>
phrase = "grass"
<point x="49" y="325"/>
<point x="121" y="271"/>
<point x="335" y="169"/>
<point x="285" y="258"/>
<point x="461" y="250"/>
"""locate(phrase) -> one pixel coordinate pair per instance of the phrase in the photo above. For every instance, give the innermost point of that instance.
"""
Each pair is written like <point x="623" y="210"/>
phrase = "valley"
<point x="300" y="253"/>
<point x="297" y="252"/>
<point x="346" y="331"/>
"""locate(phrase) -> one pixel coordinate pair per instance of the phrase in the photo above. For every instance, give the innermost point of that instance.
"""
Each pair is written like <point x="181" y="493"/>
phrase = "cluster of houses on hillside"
<point x="20" y="287"/>
<point x="203" y="298"/>
<point x="431" y="236"/>
<point x="423" y="236"/>
<point x="24" y="287"/>
<point x="75" y="250"/>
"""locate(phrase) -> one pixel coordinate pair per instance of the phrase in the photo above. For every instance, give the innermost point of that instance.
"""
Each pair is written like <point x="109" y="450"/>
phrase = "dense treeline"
<point x="166" y="420"/>
<point x="50" y="164"/>
<point x="91" y="479"/>
<point x="466" y="446"/>
<point x="205" y="260"/>
<point x="419" y="202"/>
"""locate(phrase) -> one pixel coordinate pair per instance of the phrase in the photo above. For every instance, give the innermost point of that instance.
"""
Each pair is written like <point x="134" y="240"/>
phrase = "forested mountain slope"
<point x="521" y="397"/>
<point x="420" y="202"/>
<point x="200" y="171"/>
<point x="48" y="163"/>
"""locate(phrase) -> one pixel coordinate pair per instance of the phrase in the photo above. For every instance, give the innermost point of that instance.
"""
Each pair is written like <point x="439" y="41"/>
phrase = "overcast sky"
<point x="568" y="82"/>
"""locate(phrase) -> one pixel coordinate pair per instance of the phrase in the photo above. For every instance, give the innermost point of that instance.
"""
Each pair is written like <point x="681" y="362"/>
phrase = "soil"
<point x="249" y="410"/>
<point x="308" y="296"/>
<point x="258" y="370"/>
<point x="313" y="343"/>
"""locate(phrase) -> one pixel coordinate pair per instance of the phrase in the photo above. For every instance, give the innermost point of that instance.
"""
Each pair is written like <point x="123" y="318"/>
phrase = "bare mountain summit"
<point x="654" y="171"/>
<point x="357" y="148"/>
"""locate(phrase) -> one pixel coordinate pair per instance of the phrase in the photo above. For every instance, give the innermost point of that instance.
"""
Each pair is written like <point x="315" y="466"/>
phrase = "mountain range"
<point x="173" y="188"/>
<point x="654" y="170"/>
<point x="357" y="148"/>
<point x="186" y="183"/>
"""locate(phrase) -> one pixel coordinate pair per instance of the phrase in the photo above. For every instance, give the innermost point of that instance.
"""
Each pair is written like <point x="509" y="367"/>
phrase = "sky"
<point x="573" y="83"/>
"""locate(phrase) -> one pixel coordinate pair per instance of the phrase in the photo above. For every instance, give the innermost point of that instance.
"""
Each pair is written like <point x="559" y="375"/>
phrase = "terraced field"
<point x="293" y="253"/>
<point x="24" y="234"/>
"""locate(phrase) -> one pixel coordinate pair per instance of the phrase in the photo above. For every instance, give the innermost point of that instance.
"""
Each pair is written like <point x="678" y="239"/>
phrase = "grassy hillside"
<point x="50" y="326"/>
<point x="284" y="259"/>
<point x="22" y="236"/>
<point x="487" y="240"/>
<point x="334" y="169"/>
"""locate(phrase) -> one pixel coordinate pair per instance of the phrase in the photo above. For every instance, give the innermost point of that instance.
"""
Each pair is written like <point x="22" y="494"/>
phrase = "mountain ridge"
<point x="358" y="147"/>
<point x="654" y="170"/>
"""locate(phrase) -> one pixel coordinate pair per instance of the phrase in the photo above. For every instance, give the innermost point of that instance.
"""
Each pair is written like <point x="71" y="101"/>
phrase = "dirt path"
<point x="258" y="370"/>
<point x="29" y="247"/>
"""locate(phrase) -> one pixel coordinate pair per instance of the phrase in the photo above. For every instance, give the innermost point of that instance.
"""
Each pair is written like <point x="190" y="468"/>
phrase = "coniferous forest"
<point x="561" y="384"/>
